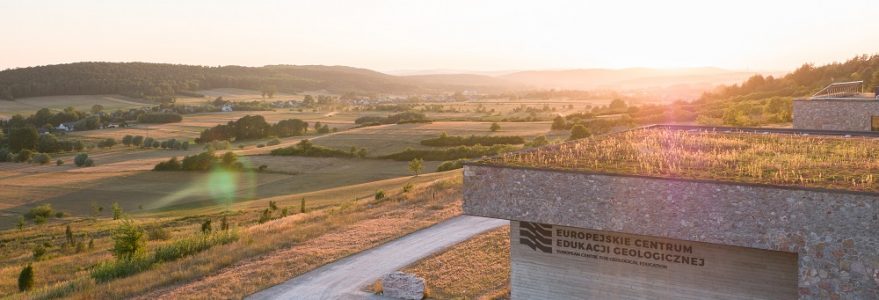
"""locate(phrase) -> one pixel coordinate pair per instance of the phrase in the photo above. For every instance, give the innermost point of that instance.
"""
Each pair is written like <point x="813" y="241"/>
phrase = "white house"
<point x="226" y="108"/>
<point x="69" y="126"/>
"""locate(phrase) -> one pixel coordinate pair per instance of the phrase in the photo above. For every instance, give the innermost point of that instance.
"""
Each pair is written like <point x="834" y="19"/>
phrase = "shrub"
<point x="128" y="240"/>
<point x="39" y="251"/>
<point x="188" y="246"/>
<point x="450" y="154"/>
<point x="265" y="216"/>
<point x="5" y="156"/>
<point x="155" y="233"/>
<point x="579" y="132"/>
<point x="451" y="165"/>
<point x="306" y="148"/>
<point x="42" y="158"/>
<point x="43" y="210"/>
<point x="408" y="187"/>
<point x="117" y="211"/>
<point x="59" y="162"/>
<point x="148" y="142"/>
<point x="260" y="145"/>
<point x="110" y="270"/>
<point x="137" y="141"/>
<point x="206" y="227"/>
<point x="379" y="195"/>
<point x="447" y="141"/>
<point x="89" y="163"/>
<point x="538" y="142"/>
<point x="107" y="143"/>
<point x="494" y="127"/>
<point x="415" y="165"/>
<point x="127" y="139"/>
<point x="26" y="279"/>
<point x="80" y="159"/>
<point x="24" y="156"/>
<point x="273" y="142"/>
<point x="171" y="165"/>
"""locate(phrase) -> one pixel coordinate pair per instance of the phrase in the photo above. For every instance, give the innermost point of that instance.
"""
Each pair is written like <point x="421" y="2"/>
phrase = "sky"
<point x="441" y="35"/>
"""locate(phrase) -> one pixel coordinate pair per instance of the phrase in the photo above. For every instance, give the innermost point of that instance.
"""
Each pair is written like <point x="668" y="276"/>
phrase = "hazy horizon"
<point x="401" y="36"/>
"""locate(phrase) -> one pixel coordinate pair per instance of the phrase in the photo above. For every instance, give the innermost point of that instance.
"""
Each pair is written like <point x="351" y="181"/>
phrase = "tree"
<point x="107" y="143"/>
<point x="21" y="138"/>
<point x="68" y="233"/>
<point x="379" y="195"/>
<point x="128" y="240"/>
<point x="618" y="104"/>
<point x="26" y="279"/>
<point x="224" y="224"/>
<point x="302" y="205"/>
<point x="308" y="101"/>
<point x="20" y="224"/>
<point x="81" y="159"/>
<point x="206" y="227"/>
<point x="24" y="155"/>
<point x="416" y="165"/>
<point x="97" y="108"/>
<point x="117" y="211"/>
<point x="494" y="127"/>
<point x="137" y="141"/>
<point x="127" y="139"/>
<point x="579" y="132"/>
<point x="559" y="123"/>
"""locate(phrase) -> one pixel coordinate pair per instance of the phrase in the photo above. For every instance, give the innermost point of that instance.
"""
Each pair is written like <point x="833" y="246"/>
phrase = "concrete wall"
<point x="834" y="114"/>
<point x="590" y="264"/>
<point x="835" y="234"/>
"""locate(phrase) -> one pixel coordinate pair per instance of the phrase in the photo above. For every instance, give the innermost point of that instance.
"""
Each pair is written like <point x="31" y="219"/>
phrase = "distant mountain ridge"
<point x="162" y="81"/>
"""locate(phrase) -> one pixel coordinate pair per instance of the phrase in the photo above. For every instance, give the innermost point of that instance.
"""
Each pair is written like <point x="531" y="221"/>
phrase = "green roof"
<point x="787" y="159"/>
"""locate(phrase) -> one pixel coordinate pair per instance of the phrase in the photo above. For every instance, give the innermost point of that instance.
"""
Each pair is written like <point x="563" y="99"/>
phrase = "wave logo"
<point x="536" y="236"/>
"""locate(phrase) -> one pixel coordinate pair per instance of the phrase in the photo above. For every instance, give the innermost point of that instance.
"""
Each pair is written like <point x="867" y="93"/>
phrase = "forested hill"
<point x="161" y="81"/>
<point x="765" y="100"/>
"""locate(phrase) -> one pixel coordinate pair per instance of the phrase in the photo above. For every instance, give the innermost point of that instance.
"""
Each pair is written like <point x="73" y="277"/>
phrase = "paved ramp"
<point x="345" y="278"/>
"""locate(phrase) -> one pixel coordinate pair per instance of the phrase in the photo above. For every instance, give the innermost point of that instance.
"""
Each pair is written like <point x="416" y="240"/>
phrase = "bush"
<point x="39" y="251"/>
<point x="155" y="233"/>
<point x="128" y="240"/>
<point x="24" y="156"/>
<point x="5" y="156"/>
<point x="188" y="246"/>
<point x="451" y="165"/>
<point x="107" y="143"/>
<point x="306" y="148"/>
<point x="159" y="118"/>
<point x="260" y="145"/>
<point x="579" y="132"/>
<point x="379" y="195"/>
<point x="449" y="154"/>
<point x="44" y="211"/>
<point x="148" y="142"/>
<point x="59" y="162"/>
<point x="273" y="142"/>
<point x="26" y="279"/>
<point x="206" y="227"/>
<point x="89" y="163"/>
<point x="110" y="270"/>
<point x="400" y="118"/>
<point x="81" y="159"/>
<point x="538" y="142"/>
<point x="171" y="165"/>
<point x="127" y="139"/>
<point x="137" y="141"/>
<point x="42" y="158"/>
<point x="447" y="141"/>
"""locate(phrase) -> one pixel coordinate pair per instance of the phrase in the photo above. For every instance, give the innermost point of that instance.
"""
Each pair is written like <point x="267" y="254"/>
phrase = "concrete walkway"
<point x="345" y="278"/>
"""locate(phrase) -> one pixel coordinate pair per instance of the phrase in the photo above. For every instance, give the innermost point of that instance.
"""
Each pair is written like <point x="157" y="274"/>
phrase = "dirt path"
<point x="344" y="279"/>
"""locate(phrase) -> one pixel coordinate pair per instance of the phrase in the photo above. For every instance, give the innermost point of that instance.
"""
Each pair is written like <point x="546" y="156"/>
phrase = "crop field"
<point x="27" y="106"/>
<point x="388" y="139"/>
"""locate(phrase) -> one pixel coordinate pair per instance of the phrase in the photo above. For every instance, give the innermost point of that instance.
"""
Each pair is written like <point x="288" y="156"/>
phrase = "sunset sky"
<point x="424" y="35"/>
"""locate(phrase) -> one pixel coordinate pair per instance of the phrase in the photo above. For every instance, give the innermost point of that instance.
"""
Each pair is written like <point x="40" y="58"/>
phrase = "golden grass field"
<point x="27" y="106"/>
<point x="478" y="268"/>
<point x="236" y="269"/>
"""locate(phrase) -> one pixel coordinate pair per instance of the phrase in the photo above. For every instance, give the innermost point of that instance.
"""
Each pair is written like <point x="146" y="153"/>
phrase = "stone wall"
<point x="834" y="114"/>
<point x="834" y="233"/>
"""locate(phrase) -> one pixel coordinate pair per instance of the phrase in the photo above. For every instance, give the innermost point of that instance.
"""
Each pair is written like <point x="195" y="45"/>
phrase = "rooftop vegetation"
<point x="850" y="163"/>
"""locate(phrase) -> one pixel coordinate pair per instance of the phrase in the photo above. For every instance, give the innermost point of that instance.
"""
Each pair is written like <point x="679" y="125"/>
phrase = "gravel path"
<point x="345" y="278"/>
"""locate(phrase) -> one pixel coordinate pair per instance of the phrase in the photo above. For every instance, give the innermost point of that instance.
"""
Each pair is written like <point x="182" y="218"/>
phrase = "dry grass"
<point x="263" y="248"/>
<point x="781" y="159"/>
<point x="478" y="268"/>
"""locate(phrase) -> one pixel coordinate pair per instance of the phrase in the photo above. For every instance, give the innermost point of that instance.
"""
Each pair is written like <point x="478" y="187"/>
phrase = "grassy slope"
<point x="330" y="212"/>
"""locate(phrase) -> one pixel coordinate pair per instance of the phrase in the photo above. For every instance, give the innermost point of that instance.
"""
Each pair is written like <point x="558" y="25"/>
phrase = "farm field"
<point x="26" y="106"/>
<point x="384" y="140"/>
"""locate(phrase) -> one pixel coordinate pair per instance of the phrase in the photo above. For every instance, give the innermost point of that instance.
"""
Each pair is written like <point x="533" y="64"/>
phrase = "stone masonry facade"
<point x="834" y="114"/>
<point x="835" y="234"/>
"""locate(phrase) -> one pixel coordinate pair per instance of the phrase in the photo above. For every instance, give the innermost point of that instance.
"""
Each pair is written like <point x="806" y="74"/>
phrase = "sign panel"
<point x="552" y="262"/>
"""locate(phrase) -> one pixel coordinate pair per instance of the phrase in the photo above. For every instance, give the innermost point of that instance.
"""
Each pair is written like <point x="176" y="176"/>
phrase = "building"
<point x="67" y="126"/>
<point x="839" y="106"/>
<point x="687" y="212"/>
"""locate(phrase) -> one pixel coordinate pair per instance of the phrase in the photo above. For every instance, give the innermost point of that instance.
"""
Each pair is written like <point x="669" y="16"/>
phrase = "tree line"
<point x="253" y="127"/>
